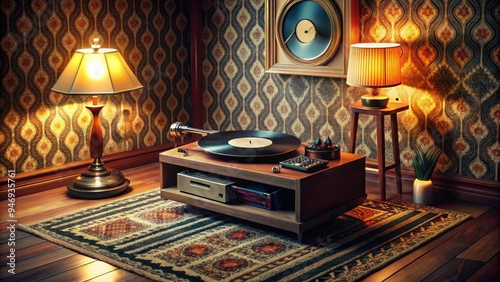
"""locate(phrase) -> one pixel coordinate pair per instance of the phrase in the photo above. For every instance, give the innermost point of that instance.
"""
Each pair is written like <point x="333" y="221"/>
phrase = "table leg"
<point x="395" y="151"/>
<point x="354" y="130"/>
<point x="381" y="155"/>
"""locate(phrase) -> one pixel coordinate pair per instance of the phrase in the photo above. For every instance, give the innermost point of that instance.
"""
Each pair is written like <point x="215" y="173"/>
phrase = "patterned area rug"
<point x="170" y="241"/>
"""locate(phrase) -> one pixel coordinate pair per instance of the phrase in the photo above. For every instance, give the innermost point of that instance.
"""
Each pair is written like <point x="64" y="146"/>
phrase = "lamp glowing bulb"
<point x="95" y="67"/>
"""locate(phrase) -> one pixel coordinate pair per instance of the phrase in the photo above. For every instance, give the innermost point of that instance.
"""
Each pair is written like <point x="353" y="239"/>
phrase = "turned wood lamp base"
<point x="97" y="181"/>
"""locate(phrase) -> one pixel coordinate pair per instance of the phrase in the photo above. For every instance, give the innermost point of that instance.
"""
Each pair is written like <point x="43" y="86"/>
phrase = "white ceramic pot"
<point x="422" y="192"/>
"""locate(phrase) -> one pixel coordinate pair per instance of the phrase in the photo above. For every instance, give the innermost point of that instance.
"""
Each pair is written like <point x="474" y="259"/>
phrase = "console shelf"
<point x="318" y="196"/>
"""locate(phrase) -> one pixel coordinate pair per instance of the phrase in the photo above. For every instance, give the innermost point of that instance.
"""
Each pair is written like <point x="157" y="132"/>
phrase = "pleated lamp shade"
<point x="374" y="65"/>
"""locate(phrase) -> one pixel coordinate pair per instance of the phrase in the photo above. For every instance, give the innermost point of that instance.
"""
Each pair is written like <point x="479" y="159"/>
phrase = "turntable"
<point x="248" y="144"/>
<point x="315" y="197"/>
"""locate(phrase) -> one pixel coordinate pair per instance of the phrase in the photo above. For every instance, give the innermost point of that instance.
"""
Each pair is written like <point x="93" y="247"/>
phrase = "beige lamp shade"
<point x="98" y="71"/>
<point x="374" y="65"/>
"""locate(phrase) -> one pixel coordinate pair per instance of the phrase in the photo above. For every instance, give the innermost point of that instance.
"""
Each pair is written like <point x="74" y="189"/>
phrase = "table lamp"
<point x="97" y="71"/>
<point x="374" y="65"/>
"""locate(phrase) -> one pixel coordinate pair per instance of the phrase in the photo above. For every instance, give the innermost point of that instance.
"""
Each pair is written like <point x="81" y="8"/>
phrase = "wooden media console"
<point x="316" y="197"/>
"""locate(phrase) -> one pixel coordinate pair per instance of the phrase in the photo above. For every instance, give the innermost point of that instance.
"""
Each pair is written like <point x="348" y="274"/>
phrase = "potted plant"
<point x="424" y="164"/>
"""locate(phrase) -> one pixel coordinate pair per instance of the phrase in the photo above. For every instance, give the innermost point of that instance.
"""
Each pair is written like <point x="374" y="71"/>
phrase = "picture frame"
<point x="277" y="62"/>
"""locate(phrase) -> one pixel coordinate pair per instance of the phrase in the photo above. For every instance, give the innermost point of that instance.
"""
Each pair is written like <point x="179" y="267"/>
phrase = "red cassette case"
<point x="260" y="195"/>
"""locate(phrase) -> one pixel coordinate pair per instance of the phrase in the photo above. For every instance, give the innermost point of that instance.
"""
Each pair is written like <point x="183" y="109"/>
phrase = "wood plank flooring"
<point x="469" y="252"/>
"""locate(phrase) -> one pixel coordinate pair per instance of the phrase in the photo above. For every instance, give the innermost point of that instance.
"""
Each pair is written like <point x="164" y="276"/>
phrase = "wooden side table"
<point x="392" y="109"/>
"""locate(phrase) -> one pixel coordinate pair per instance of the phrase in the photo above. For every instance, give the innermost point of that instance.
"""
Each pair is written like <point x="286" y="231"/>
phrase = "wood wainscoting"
<point x="462" y="188"/>
<point x="52" y="177"/>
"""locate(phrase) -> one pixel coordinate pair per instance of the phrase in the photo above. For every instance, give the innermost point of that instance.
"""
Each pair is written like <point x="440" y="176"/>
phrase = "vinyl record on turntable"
<point x="249" y="143"/>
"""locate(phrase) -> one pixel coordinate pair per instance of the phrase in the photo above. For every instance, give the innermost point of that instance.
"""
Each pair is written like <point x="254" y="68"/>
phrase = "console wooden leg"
<point x="354" y="129"/>
<point x="381" y="155"/>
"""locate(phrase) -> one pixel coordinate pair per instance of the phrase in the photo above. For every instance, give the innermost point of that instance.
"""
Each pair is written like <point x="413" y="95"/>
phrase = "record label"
<point x="249" y="143"/>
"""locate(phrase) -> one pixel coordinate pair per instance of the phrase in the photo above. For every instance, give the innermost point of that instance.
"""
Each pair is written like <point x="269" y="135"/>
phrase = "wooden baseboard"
<point x="467" y="189"/>
<point x="52" y="177"/>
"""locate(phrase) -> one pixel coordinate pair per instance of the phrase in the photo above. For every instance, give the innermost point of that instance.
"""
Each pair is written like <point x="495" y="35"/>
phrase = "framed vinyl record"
<point x="310" y="37"/>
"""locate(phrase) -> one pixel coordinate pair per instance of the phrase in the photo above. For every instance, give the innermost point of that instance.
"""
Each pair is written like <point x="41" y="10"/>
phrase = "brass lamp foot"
<point x="98" y="182"/>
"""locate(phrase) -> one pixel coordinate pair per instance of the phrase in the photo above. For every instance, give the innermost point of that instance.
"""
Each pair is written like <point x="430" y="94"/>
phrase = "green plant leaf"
<point x="425" y="163"/>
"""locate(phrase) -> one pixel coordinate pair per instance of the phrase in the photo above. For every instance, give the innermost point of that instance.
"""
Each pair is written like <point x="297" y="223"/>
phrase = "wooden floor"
<point x="469" y="252"/>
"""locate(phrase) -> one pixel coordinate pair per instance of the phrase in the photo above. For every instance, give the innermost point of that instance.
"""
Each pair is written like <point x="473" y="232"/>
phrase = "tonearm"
<point x="177" y="129"/>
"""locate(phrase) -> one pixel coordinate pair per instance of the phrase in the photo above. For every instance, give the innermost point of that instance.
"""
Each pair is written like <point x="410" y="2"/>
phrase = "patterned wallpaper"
<point x="40" y="128"/>
<point x="451" y="60"/>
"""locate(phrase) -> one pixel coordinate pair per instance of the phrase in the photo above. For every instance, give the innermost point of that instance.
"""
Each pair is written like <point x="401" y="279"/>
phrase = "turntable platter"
<point x="249" y="143"/>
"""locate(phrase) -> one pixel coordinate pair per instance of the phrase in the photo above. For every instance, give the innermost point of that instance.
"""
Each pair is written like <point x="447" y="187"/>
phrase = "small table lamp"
<point x="374" y="65"/>
<point x="97" y="71"/>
